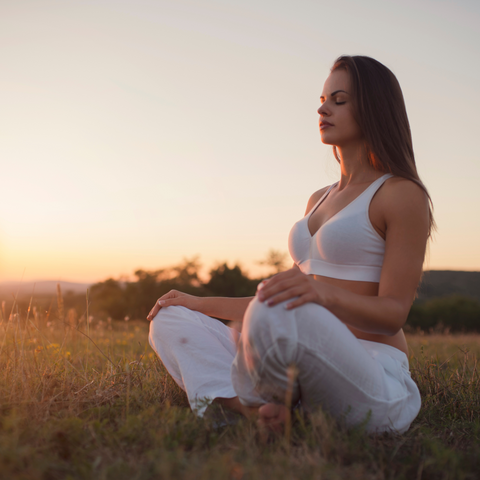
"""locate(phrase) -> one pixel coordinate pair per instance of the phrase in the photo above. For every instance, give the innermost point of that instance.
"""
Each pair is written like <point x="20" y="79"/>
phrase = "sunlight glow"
<point x="171" y="130"/>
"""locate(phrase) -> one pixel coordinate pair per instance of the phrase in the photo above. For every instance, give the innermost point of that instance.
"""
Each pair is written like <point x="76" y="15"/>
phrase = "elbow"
<point x="397" y="318"/>
<point x="392" y="330"/>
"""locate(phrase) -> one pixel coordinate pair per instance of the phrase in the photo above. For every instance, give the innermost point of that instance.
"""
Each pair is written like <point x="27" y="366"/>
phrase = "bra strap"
<point x="373" y="188"/>
<point x="321" y="199"/>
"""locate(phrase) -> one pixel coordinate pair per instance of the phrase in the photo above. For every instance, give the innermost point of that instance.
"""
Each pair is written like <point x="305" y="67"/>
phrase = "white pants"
<point x="353" y="379"/>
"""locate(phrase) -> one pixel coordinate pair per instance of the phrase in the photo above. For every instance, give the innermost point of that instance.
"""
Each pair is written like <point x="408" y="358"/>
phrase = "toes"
<point x="273" y="417"/>
<point x="269" y="410"/>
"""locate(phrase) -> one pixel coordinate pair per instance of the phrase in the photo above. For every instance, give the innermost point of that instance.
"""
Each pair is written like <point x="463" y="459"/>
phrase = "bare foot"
<point x="273" y="417"/>
<point x="235" y="405"/>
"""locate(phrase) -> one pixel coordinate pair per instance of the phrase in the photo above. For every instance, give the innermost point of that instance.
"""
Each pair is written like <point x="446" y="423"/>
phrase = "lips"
<point x="324" y="125"/>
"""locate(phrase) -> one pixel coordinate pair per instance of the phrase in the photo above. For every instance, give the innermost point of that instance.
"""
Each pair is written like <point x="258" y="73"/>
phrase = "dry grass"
<point x="101" y="406"/>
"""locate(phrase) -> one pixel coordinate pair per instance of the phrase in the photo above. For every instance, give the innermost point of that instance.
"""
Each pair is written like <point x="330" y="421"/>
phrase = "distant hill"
<point x="441" y="283"/>
<point x="43" y="287"/>
<point x="434" y="284"/>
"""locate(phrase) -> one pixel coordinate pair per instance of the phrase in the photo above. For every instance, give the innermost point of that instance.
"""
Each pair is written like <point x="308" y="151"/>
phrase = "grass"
<point x="102" y="406"/>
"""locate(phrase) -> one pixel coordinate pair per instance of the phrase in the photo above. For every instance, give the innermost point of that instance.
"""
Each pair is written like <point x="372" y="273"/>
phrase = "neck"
<point x="355" y="167"/>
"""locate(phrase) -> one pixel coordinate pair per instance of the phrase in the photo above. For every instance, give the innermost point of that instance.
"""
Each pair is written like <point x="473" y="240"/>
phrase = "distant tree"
<point x="443" y="283"/>
<point x="142" y="294"/>
<point x="108" y="299"/>
<point x="455" y="313"/>
<point x="151" y="285"/>
<point x="135" y="299"/>
<point x="186" y="273"/>
<point x="230" y="282"/>
<point x="276" y="261"/>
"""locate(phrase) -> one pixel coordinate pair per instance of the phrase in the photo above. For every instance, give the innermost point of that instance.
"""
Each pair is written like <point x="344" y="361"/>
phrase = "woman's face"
<point x="337" y="124"/>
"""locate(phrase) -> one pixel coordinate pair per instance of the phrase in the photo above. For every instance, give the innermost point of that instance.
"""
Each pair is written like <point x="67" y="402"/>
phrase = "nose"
<point x="322" y="110"/>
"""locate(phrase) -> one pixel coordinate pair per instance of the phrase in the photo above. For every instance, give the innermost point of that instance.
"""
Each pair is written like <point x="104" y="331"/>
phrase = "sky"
<point x="137" y="133"/>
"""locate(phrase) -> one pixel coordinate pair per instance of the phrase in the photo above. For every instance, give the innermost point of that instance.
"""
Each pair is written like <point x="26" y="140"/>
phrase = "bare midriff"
<point x="369" y="289"/>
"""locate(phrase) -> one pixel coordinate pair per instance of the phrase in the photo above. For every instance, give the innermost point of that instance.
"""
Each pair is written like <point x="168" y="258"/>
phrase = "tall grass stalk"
<point x="88" y="329"/>
<point x="89" y="399"/>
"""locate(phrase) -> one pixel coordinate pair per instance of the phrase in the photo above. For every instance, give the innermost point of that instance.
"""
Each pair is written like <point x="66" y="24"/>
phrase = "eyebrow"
<point x="335" y="92"/>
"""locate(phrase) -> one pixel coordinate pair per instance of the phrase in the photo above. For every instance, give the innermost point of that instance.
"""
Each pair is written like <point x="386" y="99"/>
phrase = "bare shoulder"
<point x="316" y="196"/>
<point x="401" y="193"/>
<point x="403" y="200"/>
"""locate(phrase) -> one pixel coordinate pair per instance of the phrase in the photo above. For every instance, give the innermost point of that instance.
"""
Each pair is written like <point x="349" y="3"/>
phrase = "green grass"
<point x="73" y="407"/>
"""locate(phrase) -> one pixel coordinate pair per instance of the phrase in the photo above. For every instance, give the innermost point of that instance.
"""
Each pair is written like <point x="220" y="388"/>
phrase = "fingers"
<point x="268" y="285"/>
<point x="298" y="298"/>
<point x="153" y="311"/>
<point x="291" y="287"/>
<point x="170" y="294"/>
<point x="285" y="293"/>
<point x="161" y="302"/>
<point x="156" y="308"/>
<point x="262" y="284"/>
<point x="295" y="296"/>
<point x="299" y="301"/>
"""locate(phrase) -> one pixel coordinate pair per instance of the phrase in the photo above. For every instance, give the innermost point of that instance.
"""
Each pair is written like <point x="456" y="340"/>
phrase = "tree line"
<point x="134" y="299"/>
<point x="450" y="313"/>
<point x="123" y="300"/>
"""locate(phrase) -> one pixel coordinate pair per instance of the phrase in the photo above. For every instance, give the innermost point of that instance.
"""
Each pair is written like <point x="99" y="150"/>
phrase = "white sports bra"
<point x="346" y="246"/>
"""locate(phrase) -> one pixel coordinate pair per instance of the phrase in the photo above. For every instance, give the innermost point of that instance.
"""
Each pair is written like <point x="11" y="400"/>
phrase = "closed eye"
<point x="340" y="103"/>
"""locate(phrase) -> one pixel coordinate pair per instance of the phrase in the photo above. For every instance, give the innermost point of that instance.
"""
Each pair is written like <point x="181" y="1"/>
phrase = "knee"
<point x="269" y="347"/>
<point x="167" y="324"/>
<point x="269" y="324"/>
<point x="277" y="324"/>
<point x="258" y="316"/>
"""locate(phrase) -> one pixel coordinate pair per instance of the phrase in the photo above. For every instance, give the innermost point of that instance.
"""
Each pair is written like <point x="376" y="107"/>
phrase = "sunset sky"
<point x="134" y="134"/>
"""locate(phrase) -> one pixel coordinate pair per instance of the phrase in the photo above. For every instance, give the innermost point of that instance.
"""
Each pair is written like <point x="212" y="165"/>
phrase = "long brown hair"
<point x="379" y="109"/>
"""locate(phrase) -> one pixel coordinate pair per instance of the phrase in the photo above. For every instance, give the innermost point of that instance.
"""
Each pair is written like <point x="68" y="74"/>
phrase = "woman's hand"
<point x="174" y="297"/>
<point x="293" y="284"/>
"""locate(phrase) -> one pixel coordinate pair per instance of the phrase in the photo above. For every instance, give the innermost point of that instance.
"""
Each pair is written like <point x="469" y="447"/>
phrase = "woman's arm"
<point x="227" y="308"/>
<point x="221" y="307"/>
<point x="405" y="210"/>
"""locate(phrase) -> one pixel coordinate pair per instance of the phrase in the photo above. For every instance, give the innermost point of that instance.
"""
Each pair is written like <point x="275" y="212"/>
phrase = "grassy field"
<point x="92" y="401"/>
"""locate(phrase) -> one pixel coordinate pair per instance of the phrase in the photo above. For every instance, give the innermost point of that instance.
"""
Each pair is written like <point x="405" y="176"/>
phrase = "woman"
<point x="327" y="332"/>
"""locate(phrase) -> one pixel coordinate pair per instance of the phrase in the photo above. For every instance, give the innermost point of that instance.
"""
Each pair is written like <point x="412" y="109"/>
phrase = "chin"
<point x="326" y="141"/>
